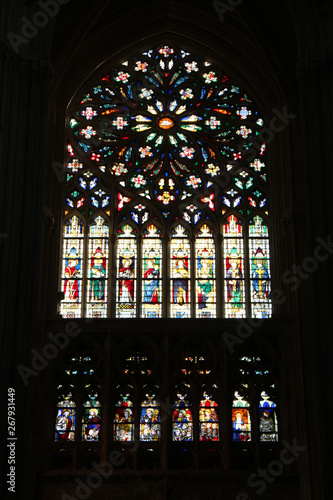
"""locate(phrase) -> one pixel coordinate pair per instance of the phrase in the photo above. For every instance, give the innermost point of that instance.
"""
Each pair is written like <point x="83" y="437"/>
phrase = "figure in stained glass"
<point x="123" y="421"/>
<point x="126" y="285"/>
<point x="268" y="424"/>
<point x="98" y="274"/>
<point x="126" y="415"/>
<point x="71" y="288"/>
<point x="205" y="275"/>
<point x="180" y="282"/>
<point x="92" y="425"/>
<point x="150" y="427"/>
<point x="151" y="283"/>
<point x="65" y="424"/>
<point x="208" y="419"/>
<point x="260" y="275"/>
<point x="182" y="420"/>
<point x="234" y="275"/>
<point x="240" y="424"/>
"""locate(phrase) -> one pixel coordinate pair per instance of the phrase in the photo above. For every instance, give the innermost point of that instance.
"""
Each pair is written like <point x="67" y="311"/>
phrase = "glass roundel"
<point x="165" y="124"/>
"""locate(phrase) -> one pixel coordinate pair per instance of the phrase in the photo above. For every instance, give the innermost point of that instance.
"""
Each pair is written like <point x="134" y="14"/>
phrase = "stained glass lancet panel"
<point x="98" y="258"/>
<point x="261" y="304"/>
<point x="205" y="273"/>
<point x="182" y="421"/>
<point x="123" y="426"/>
<point x="180" y="289"/>
<point x="150" y="426"/>
<point x="233" y="249"/>
<point x="208" y="419"/>
<point x="126" y="273"/>
<point x="92" y="418"/>
<point x="241" y="420"/>
<point x="72" y="260"/>
<point x="65" y="419"/>
<point x="152" y="273"/>
<point x="268" y="423"/>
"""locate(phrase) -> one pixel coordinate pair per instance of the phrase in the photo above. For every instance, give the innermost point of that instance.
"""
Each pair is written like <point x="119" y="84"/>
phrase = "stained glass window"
<point x="261" y="305"/>
<point x="79" y="411"/>
<point x="150" y="426"/>
<point x="255" y="370"/>
<point x="180" y="274"/>
<point x="205" y="273"/>
<point x="241" y="420"/>
<point x="268" y="425"/>
<point x="208" y="419"/>
<point x="98" y="258"/>
<point x="188" y="161"/>
<point x="126" y="272"/>
<point x="182" y="425"/>
<point x="65" y="420"/>
<point x="123" y="424"/>
<point x="234" y="289"/>
<point x="71" y="283"/>
<point x="92" y="418"/>
<point x="152" y="273"/>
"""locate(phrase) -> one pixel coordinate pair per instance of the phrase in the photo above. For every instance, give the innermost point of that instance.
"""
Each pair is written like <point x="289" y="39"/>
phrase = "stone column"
<point x="315" y="76"/>
<point x="23" y="103"/>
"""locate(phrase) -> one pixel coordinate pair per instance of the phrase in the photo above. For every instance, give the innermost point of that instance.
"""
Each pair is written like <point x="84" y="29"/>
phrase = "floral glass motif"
<point x="202" y="122"/>
<point x="65" y="420"/>
<point x="123" y="426"/>
<point x="259" y="256"/>
<point x="182" y="421"/>
<point x="150" y="426"/>
<point x="208" y="419"/>
<point x="268" y="423"/>
<point x="126" y="272"/>
<point x="241" y="421"/>
<point x="205" y="273"/>
<point x="97" y="275"/>
<point x="91" y="419"/>
<point x="152" y="273"/>
<point x="72" y="268"/>
<point x="180" y="289"/>
<point x="233" y="247"/>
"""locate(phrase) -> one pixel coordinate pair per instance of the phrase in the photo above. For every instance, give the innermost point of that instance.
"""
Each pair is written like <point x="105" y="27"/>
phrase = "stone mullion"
<point x="219" y="276"/>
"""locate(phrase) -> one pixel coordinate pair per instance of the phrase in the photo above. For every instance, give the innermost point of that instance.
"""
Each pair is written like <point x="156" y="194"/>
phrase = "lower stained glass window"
<point x="208" y="419"/>
<point x="241" y="421"/>
<point x="268" y="425"/>
<point x="65" y="420"/>
<point x="150" y="427"/>
<point x="182" y="421"/>
<point x="123" y="425"/>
